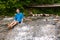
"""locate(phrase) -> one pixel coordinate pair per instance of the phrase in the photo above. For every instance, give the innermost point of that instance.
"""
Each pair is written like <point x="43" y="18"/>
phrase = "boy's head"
<point x="17" y="10"/>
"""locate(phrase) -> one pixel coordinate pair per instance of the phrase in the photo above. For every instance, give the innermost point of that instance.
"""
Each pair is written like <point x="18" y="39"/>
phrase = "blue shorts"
<point x="18" y="22"/>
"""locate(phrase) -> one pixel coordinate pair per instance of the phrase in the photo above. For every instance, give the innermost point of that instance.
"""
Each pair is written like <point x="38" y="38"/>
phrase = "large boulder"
<point x="37" y="30"/>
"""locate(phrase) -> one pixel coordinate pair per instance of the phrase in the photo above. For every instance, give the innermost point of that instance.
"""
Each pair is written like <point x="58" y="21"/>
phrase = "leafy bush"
<point x="47" y="10"/>
<point x="8" y="7"/>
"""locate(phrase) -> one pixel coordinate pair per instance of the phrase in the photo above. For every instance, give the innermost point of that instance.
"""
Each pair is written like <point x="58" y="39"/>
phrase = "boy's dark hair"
<point x="18" y="8"/>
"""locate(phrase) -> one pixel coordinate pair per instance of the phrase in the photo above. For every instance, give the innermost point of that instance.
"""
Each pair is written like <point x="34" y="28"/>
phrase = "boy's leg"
<point x="12" y="24"/>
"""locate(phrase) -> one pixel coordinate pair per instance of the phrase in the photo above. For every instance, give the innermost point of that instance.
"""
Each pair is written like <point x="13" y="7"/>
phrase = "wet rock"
<point x="38" y="29"/>
<point x="42" y="31"/>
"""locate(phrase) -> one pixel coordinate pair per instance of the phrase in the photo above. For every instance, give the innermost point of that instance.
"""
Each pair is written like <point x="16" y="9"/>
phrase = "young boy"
<point x="17" y="19"/>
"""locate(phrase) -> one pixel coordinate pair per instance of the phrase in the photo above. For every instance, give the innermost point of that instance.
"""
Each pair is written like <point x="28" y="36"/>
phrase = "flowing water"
<point x="38" y="29"/>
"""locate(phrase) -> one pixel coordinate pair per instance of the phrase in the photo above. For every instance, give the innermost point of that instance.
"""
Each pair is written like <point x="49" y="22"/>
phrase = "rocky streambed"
<point x="38" y="28"/>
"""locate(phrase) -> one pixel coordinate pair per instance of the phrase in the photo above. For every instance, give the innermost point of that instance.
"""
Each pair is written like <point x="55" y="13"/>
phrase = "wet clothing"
<point x="18" y="17"/>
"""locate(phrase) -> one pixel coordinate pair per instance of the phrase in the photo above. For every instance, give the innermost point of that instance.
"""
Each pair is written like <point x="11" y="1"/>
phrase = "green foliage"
<point x="8" y="7"/>
<point x="47" y="10"/>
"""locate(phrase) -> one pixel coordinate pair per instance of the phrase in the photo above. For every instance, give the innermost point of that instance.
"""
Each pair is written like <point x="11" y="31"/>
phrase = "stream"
<point x="40" y="28"/>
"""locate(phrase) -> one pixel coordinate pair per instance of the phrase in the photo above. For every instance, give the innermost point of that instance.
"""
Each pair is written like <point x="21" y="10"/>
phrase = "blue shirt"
<point x="18" y="17"/>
